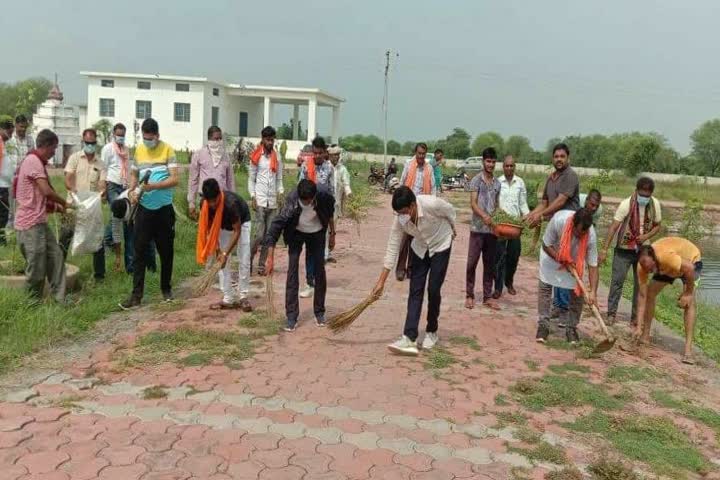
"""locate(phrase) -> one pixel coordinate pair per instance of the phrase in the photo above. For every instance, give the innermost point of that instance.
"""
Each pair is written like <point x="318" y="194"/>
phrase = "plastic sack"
<point x="89" y="223"/>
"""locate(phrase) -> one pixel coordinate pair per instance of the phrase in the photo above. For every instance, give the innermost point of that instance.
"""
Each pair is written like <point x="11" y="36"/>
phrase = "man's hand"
<point x="684" y="300"/>
<point x="378" y="290"/>
<point x="192" y="212"/>
<point x="487" y="220"/>
<point x="331" y="241"/>
<point x="641" y="239"/>
<point x="253" y="203"/>
<point x="270" y="262"/>
<point x="133" y="196"/>
<point x="602" y="256"/>
<point x="454" y="232"/>
<point x="222" y="258"/>
<point x="533" y="219"/>
<point x="591" y="298"/>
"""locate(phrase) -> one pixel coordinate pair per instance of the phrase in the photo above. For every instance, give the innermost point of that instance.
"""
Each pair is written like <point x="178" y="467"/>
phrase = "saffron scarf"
<point x="630" y="228"/>
<point x="427" y="176"/>
<point x="565" y="255"/>
<point x="208" y="236"/>
<point x="123" y="153"/>
<point x="258" y="153"/>
<point x="311" y="170"/>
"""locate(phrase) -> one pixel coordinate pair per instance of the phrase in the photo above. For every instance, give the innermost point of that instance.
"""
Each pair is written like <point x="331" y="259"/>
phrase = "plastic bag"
<point x="89" y="223"/>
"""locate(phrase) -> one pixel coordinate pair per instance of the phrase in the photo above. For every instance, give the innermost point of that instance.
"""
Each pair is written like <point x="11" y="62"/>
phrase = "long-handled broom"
<point x="609" y="341"/>
<point x="207" y="279"/>
<point x="343" y="320"/>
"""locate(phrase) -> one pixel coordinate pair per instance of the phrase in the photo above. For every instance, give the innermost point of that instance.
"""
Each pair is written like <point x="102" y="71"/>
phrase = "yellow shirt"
<point x="157" y="162"/>
<point x="88" y="175"/>
<point x="670" y="252"/>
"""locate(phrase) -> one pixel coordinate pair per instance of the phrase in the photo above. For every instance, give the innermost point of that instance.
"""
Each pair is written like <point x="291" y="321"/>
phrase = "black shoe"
<point x="571" y="335"/>
<point x="130" y="304"/>
<point x="167" y="296"/>
<point x="542" y="334"/>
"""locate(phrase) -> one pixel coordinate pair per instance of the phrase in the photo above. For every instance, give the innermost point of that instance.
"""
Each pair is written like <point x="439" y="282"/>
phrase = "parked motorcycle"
<point x="377" y="175"/>
<point x="392" y="183"/>
<point x="458" y="181"/>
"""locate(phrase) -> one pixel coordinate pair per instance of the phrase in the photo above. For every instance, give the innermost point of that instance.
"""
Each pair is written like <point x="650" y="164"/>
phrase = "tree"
<point x="103" y="127"/>
<point x="488" y="139"/>
<point x="639" y="153"/>
<point x="455" y="145"/>
<point x="362" y="143"/>
<point x="23" y="97"/>
<point x="706" y="147"/>
<point x="519" y="147"/>
<point x="393" y="147"/>
<point x="408" y="148"/>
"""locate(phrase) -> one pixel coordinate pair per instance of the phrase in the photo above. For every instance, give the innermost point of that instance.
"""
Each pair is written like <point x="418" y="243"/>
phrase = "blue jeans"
<point x="561" y="298"/>
<point x="113" y="192"/>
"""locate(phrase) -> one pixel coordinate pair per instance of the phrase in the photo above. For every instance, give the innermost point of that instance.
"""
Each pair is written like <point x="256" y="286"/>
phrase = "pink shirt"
<point x="29" y="199"/>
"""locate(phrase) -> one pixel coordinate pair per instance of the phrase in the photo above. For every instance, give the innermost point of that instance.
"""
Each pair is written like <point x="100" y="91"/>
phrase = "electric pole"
<point x="385" y="104"/>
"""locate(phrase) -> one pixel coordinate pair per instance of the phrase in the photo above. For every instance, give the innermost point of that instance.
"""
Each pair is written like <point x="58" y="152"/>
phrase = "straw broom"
<point x="343" y="320"/>
<point x="269" y="297"/>
<point x="207" y="279"/>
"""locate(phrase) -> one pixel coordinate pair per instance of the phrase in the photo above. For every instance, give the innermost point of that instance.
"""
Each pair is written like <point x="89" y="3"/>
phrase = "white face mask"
<point x="403" y="219"/>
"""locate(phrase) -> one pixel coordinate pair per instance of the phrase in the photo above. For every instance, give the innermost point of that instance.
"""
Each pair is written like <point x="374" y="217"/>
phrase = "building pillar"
<point x="312" y="117"/>
<point x="267" y="112"/>
<point x="296" y="120"/>
<point x="335" y="124"/>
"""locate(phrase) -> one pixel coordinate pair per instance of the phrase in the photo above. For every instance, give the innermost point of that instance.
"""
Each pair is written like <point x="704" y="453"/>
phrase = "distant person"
<point x="20" y="145"/>
<point x="668" y="259"/>
<point x="36" y="198"/>
<point x="513" y="201"/>
<point x="85" y="172"/>
<point x="391" y="172"/>
<point x="155" y="217"/>
<point x="636" y="221"/>
<point x="438" y="159"/>
<point x="265" y="185"/>
<point x="342" y="190"/>
<point x="7" y="169"/>
<point x="484" y="199"/>
<point x="304" y="220"/>
<point x="210" y="161"/>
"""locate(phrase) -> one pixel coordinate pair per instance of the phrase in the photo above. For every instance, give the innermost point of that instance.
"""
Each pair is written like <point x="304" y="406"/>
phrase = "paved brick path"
<point x="307" y="405"/>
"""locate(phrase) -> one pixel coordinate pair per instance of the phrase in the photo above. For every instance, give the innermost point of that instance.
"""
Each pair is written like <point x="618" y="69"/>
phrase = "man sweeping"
<point x="668" y="259"/>
<point x="431" y="223"/>
<point x="569" y="243"/>
<point x="224" y="228"/>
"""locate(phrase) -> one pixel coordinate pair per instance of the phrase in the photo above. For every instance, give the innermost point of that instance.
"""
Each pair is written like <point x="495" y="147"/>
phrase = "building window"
<point x="143" y="85"/>
<point x="143" y="109"/>
<point x="215" y="120"/>
<point x="107" y="107"/>
<point x="107" y="83"/>
<point x="216" y="92"/>
<point x="243" y="124"/>
<point x="182" y="112"/>
<point x="182" y="87"/>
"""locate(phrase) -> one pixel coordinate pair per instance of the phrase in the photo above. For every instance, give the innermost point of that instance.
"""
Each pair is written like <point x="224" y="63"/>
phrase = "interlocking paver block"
<point x="473" y="429"/>
<point x="167" y="460"/>
<point x="401" y="446"/>
<point x="122" y="455"/>
<point x="434" y="450"/>
<point x="178" y="393"/>
<point x="184" y="418"/>
<point x="217" y="421"/>
<point x="403" y="421"/>
<point x="371" y="417"/>
<point x="306" y="408"/>
<point x="513" y="459"/>
<point x="82" y="383"/>
<point x="273" y="403"/>
<point x="327" y="435"/>
<point x="253" y="425"/>
<point x="437" y="426"/>
<point x="241" y="400"/>
<point x="336" y="413"/>
<point x="43" y="462"/>
<point x="114" y="411"/>
<point x="476" y="455"/>
<point x="151" y="413"/>
<point x="364" y="441"/>
<point x="205" y="397"/>
<point x="121" y="388"/>
<point x="13" y="439"/>
<point x="57" y="378"/>
<point x="127" y="472"/>
<point x="14" y="423"/>
<point x="20" y="396"/>
<point x="84" y="469"/>
<point x="288" y="430"/>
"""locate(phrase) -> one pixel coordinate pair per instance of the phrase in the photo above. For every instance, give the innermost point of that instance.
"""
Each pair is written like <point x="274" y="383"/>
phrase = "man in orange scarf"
<point x="224" y="228"/>
<point x="569" y="243"/>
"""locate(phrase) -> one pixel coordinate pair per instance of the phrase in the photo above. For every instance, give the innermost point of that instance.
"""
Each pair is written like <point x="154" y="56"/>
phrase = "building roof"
<point x="182" y="78"/>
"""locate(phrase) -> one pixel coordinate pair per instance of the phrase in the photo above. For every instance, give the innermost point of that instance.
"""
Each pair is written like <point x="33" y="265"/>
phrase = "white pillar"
<point x="312" y="114"/>
<point x="267" y="113"/>
<point x="335" y="124"/>
<point x="296" y="119"/>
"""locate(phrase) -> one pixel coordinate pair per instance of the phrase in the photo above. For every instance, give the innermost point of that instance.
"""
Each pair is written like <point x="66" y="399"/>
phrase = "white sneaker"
<point x="403" y="346"/>
<point x="430" y="340"/>
<point x="308" y="292"/>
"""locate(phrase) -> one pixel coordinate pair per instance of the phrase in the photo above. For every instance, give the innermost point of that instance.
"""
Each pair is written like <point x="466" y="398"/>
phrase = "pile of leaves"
<point x="499" y="216"/>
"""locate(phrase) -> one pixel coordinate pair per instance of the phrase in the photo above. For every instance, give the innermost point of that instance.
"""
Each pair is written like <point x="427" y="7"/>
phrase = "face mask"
<point x="403" y="219"/>
<point x="643" y="201"/>
<point x="150" y="143"/>
<point x="120" y="140"/>
<point x="89" y="149"/>
<point x="215" y="144"/>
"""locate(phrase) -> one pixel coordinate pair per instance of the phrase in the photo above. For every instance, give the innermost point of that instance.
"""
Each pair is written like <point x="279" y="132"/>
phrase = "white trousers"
<point x="230" y="294"/>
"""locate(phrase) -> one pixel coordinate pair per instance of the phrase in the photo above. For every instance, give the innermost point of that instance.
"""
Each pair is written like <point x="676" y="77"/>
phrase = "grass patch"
<point x="567" y="473"/>
<point x="67" y="402"/>
<point x="154" y="393"/>
<point x="532" y="365"/>
<point x="542" y="452"/>
<point x="611" y="469"/>
<point x="259" y="324"/>
<point x="562" y="391"/>
<point x="704" y="415"/>
<point x="502" y="400"/>
<point x="583" y="348"/>
<point x="469" y="342"/>
<point x="439" y="358"/>
<point x="566" y="368"/>
<point x="511" y="418"/>
<point x="630" y="373"/>
<point x="652" y="440"/>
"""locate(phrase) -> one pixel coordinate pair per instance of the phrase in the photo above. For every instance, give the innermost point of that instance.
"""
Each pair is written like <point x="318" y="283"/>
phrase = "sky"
<point x="541" y="69"/>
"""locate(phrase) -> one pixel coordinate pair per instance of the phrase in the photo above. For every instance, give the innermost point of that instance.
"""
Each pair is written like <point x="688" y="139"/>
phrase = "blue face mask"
<point x="150" y="143"/>
<point x="89" y="149"/>
<point x="643" y="201"/>
<point x="120" y="140"/>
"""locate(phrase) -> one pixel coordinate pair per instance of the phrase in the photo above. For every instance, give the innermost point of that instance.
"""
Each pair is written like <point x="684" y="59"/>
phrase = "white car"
<point x="471" y="164"/>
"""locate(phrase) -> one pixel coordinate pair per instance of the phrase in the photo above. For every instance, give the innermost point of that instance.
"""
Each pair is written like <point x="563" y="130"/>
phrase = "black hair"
<point x="489" y="152"/>
<point x="422" y="145"/>
<point x="647" y="250"/>
<point x="151" y="126"/>
<point x="439" y="150"/>
<point x="584" y="218"/>
<point x="403" y="198"/>
<point x="319" y="142"/>
<point x="119" y="207"/>
<point x="212" y="130"/>
<point x="306" y="189"/>
<point x="21" y="119"/>
<point x="595" y="193"/>
<point x="7" y="125"/>
<point x="268" y="132"/>
<point x="46" y="138"/>
<point x="645" y="183"/>
<point x="119" y="126"/>
<point x="90" y="130"/>
<point x="561" y="146"/>
<point x="210" y="189"/>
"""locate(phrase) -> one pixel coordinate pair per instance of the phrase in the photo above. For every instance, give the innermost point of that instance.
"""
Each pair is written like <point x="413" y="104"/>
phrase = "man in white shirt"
<point x="341" y="187"/>
<point x="265" y="185"/>
<point x="569" y="243"/>
<point x="7" y="168"/>
<point x="513" y="201"/>
<point x="431" y="223"/>
<point x="19" y="145"/>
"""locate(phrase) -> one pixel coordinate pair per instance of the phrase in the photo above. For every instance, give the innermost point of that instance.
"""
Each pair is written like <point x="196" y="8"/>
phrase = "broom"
<point x="207" y="279"/>
<point x="269" y="297"/>
<point x="343" y="320"/>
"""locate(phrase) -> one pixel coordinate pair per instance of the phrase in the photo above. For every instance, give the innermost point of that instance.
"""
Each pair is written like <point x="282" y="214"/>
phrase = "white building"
<point x="62" y="119"/>
<point x="185" y="107"/>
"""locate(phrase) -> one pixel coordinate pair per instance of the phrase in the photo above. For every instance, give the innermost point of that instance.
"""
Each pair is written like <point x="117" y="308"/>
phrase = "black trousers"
<point x="507" y="257"/>
<point x="315" y="245"/>
<point x="428" y="271"/>
<point x="4" y="212"/>
<point x="158" y="226"/>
